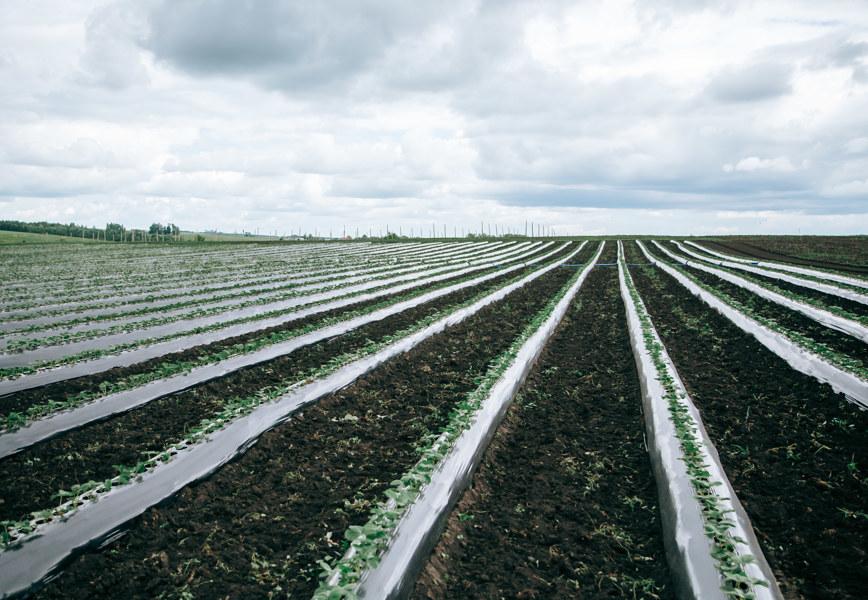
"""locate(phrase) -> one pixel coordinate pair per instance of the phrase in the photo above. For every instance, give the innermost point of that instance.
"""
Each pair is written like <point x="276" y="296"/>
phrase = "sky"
<point x="588" y="118"/>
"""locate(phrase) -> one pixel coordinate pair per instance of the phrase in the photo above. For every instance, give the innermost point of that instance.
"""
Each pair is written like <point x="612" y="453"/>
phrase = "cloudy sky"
<point x="648" y="116"/>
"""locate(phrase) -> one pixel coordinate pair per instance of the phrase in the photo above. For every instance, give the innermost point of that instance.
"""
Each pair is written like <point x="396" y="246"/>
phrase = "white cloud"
<point x="236" y="115"/>
<point x="781" y="164"/>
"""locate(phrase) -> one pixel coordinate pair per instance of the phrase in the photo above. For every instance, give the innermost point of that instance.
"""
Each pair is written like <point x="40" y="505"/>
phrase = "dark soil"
<point x="830" y="300"/>
<point x="785" y="317"/>
<point x="795" y="452"/>
<point x="263" y="521"/>
<point x="564" y="504"/>
<point x="32" y="476"/>
<point x="752" y="250"/>
<point x="63" y="390"/>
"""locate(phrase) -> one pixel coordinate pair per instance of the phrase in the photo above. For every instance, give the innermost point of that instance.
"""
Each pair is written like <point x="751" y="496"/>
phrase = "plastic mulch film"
<point x="823" y="317"/>
<point x="90" y="367"/>
<point x="101" y="408"/>
<point x="119" y="312"/>
<point x="157" y="297"/>
<point x="323" y="293"/>
<point x="797" y="357"/>
<point x="688" y="548"/>
<point x="792" y="269"/>
<point x="826" y="288"/>
<point x="420" y="527"/>
<point x="37" y="556"/>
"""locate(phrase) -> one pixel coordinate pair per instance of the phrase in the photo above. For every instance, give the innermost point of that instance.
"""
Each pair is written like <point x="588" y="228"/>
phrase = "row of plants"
<point x="233" y="408"/>
<point x="124" y="278"/>
<point x="262" y="293"/>
<point x="367" y="542"/>
<point x="123" y="282"/>
<point x="17" y="345"/>
<point x="564" y="502"/>
<point x="839" y="263"/>
<point x="222" y="351"/>
<point x="92" y="354"/>
<point x="798" y="329"/>
<point x="701" y="250"/>
<point x="272" y="280"/>
<point x="292" y="491"/>
<point x="736" y="583"/>
<point x="846" y="309"/>
<point x="794" y="450"/>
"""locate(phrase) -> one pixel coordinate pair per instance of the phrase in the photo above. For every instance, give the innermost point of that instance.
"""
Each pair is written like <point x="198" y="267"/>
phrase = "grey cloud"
<point x="285" y="45"/>
<point x="750" y="83"/>
<point x="849" y="52"/>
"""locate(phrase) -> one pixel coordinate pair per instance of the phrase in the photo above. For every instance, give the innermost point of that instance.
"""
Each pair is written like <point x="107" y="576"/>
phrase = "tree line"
<point x="113" y="232"/>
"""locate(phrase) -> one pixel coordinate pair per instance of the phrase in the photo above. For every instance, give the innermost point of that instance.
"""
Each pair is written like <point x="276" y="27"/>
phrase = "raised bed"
<point x="77" y="403"/>
<point x="564" y="502"/>
<point x="340" y="454"/>
<point x="795" y="452"/>
<point x="833" y="356"/>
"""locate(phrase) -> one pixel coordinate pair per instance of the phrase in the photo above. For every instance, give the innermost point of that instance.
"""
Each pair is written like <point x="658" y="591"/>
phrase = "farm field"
<point x="529" y="418"/>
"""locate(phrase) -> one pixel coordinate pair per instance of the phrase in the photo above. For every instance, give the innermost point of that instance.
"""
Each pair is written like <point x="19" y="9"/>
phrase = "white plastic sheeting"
<point x="797" y="357"/>
<point x="688" y="548"/>
<point x="36" y="557"/>
<point x="157" y="349"/>
<point x="310" y="293"/>
<point x="792" y="269"/>
<point x="106" y="406"/>
<point x="823" y="317"/>
<point x="832" y="290"/>
<point x="419" y="528"/>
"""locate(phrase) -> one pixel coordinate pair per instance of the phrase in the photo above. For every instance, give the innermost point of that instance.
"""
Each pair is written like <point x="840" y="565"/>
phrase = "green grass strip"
<point x="736" y="582"/>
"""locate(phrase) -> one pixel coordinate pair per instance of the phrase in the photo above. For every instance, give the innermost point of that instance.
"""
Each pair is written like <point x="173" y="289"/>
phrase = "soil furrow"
<point x="564" y="503"/>
<point x="32" y="476"/>
<point x="784" y="317"/>
<point x="795" y="451"/>
<point x="257" y="527"/>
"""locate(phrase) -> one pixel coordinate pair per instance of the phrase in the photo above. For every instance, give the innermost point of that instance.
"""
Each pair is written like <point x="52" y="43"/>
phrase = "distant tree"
<point x="114" y="232"/>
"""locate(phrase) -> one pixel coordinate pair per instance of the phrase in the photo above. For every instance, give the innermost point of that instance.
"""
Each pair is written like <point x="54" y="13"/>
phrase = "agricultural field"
<point x="533" y="418"/>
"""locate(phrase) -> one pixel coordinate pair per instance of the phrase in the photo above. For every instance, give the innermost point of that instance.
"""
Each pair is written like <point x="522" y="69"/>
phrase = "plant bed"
<point x="564" y="503"/>
<point x="29" y="404"/>
<point x="794" y="451"/>
<point x="262" y="522"/>
<point x="37" y="473"/>
<point x="90" y="334"/>
<point x="103" y="356"/>
<point x="843" y="350"/>
<point x="186" y="306"/>
<point x="798" y="253"/>
<point x="843" y="307"/>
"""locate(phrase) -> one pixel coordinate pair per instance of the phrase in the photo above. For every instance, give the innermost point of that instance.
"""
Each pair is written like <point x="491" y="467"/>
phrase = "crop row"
<point x="153" y="281"/>
<point x="531" y="292"/>
<point x="153" y="341"/>
<point x="80" y="328"/>
<point x="367" y="438"/>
